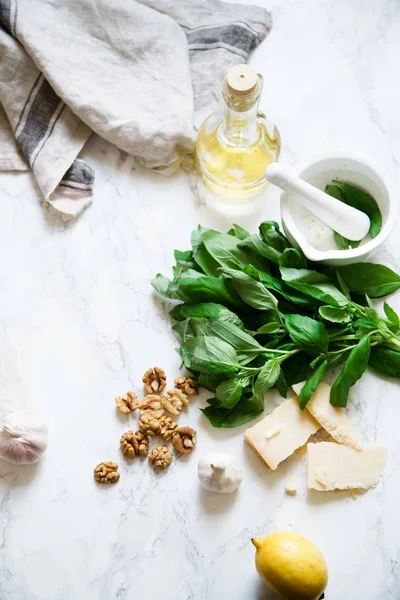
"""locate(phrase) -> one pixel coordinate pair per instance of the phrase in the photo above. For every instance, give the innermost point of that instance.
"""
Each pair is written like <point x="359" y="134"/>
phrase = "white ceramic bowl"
<point x="351" y="168"/>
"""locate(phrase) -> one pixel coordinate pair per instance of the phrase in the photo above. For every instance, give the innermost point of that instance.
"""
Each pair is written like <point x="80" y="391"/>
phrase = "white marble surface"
<point x="79" y="324"/>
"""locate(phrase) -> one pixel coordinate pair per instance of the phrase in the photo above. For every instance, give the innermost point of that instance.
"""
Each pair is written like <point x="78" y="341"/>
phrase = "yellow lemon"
<point x="291" y="566"/>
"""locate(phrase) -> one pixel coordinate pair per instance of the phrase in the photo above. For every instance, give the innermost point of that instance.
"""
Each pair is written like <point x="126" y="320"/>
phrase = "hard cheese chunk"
<point x="331" y="418"/>
<point x="336" y="467"/>
<point x="291" y="485"/>
<point x="283" y="431"/>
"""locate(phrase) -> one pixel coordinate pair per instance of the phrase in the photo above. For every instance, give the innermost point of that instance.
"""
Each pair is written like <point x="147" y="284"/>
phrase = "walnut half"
<point x="184" y="440"/>
<point x="168" y="427"/>
<point x="151" y="412"/>
<point x="187" y="385"/>
<point x="174" y="400"/>
<point x="154" y="381"/>
<point x="160" y="457"/>
<point x="127" y="403"/>
<point x="149" y="422"/>
<point x="134" y="444"/>
<point x="150" y="402"/>
<point x="106" y="472"/>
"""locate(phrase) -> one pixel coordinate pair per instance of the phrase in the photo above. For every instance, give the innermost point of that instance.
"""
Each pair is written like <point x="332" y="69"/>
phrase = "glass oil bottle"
<point x="236" y="144"/>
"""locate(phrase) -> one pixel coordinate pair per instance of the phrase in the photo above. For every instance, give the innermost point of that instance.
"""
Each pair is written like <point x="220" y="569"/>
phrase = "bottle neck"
<point x="240" y="128"/>
<point x="240" y="123"/>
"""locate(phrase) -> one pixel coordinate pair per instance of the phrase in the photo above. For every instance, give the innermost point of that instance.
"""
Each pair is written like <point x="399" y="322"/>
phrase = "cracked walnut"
<point x="174" y="400"/>
<point x="188" y="385"/>
<point x="127" y="403"/>
<point x="160" y="457"/>
<point x="168" y="427"/>
<point x="134" y="444"/>
<point x="106" y="472"/>
<point x="154" y="381"/>
<point x="151" y="412"/>
<point x="150" y="423"/>
<point x="184" y="440"/>
<point x="151" y="402"/>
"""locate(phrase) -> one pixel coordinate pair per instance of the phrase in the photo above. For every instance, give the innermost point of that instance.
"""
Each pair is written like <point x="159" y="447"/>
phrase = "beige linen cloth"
<point x="142" y="74"/>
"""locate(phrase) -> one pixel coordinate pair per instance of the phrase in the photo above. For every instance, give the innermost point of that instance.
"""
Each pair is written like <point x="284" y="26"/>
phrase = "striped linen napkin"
<point x="141" y="74"/>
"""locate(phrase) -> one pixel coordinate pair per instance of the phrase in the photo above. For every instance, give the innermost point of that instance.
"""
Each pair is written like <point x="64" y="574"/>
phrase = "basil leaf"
<point x="354" y="367"/>
<point x="385" y="361"/>
<point x="343" y="287"/>
<point x="369" y="278"/>
<point x="183" y="255"/>
<point x="269" y="328"/>
<point x="267" y="377"/>
<point x="201" y="256"/>
<point x="209" y="355"/>
<point x="272" y="236"/>
<point x="226" y="250"/>
<point x="255" y="244"/>
<point x="335" y="360"/>
<point x="185" y="271"/>
<point x="293" y="258"/>
<point x="209" y="381"/>
<point x="239" y="232"/>
<point x="229" y="392"/>
<point x="251" y="291"/>
<point x="278" y="286"/>
<point x="313" y="381"/>
<point x="208" y="289"/>
<point x="296" y="368"/>
<point x="391" y="314"/>
<point x="281" y="385"/>
<point x="335" y="314"/>
<point x="315" y="285"/>
<point x="308" y="334"/>
<point x="182" y="267"/>
<point x="245" y="411"/>
<point x="342" y="243"/>
<point x="165" y="287"/>
<point x="362" y="201"/>
<point x="364" y="325"/>
<point x="184" y="330"/>
<point x="245" y="345"/>
<point x="205" y="310"/>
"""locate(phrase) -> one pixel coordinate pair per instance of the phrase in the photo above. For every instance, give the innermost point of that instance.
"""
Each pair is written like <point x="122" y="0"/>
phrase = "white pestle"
<point x="349" y="222"/>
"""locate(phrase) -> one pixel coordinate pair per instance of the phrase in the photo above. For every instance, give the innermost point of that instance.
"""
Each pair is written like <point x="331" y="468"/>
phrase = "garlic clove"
<point x="24" y="438"/>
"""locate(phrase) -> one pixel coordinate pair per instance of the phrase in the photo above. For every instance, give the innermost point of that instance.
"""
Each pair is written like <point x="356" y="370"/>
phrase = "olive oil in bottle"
<point x="235" y="145"/>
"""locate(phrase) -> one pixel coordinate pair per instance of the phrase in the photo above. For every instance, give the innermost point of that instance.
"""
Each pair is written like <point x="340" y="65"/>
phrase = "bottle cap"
<point x="241" y="79"/>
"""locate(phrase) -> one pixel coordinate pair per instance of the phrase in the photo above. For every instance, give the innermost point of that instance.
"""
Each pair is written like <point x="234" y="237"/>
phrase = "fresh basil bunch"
<point x="254" y="314"/>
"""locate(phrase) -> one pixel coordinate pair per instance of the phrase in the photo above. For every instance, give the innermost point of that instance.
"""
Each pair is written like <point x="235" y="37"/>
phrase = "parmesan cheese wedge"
<point x="337" y="467"/>
<point x="279" y="434"/>
<point x="332" y="418"/>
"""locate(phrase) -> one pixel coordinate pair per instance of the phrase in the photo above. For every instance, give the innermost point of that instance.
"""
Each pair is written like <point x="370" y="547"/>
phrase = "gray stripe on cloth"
<point x="218" y="46"/>
<point x="50" y="128"/>
<point x="236" y="22"/>
<point x="235" y="35"/>
<point x="27" y="105"/>
<point x="5" y="14"/>
<point x="79" y="176"/>
<point x="38" y="120"/>
<point x="8" y="15"/>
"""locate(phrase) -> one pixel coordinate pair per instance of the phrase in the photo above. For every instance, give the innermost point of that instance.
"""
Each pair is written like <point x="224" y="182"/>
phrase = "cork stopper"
<point x="241" y="80"/>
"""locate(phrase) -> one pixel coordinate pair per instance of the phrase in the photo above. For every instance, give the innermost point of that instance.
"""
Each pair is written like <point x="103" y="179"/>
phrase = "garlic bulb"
<point x="26" y="440"/>
<point x="219" y="472"/>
